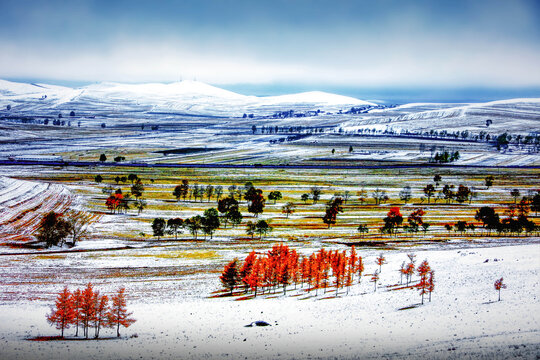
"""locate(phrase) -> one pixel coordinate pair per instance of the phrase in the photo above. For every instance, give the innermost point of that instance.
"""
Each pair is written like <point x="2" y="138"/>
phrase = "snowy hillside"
<point x="187" y="96"/>
<point x="513" y="115"/>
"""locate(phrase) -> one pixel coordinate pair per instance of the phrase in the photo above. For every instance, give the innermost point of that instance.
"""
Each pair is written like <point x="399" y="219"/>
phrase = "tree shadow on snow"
<point x="410" y="306"/>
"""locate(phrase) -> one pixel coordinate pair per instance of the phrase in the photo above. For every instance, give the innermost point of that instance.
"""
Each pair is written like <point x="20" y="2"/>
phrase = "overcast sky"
<point x="335" y="43"/>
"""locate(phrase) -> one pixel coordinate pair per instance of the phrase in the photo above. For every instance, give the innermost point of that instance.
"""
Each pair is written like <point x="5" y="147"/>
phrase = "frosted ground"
<point x="171" y="284"/>
<point x="171" y="287"/>
<point x="464" y="319"/>
<point x="190" y="113"/>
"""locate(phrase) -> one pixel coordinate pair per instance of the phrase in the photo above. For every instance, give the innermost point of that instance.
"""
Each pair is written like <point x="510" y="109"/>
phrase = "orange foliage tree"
<point x="423" y="285"/>
<point x="431" y="283"/>
<point x="62" y="314"/>
<point x="118" y="314"/>
<point x="498" y="286"/>
<point x="380" y="261"/>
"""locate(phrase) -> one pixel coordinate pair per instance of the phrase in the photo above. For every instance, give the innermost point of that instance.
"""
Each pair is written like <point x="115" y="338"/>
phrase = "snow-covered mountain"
<point x="186" y="96"/>
<point x="519" y="116"/>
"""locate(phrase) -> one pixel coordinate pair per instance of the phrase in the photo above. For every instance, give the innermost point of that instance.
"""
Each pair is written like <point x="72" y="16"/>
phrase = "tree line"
<point x="282" y="266"/>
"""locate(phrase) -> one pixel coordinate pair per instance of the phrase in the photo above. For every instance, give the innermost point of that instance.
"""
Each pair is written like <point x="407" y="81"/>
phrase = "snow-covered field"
<point x="463" y="321"/>
<point x="23" y="203"/>
<point x="142" y="118"/>
<point x="171" y="284"/>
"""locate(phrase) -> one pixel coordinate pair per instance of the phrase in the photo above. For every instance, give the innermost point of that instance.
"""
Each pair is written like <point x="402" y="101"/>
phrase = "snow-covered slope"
<point x="513" y="115"/>
<point x="315" y="97"/>
<point x="186" y="96"/>
<point x="35" y="96"/>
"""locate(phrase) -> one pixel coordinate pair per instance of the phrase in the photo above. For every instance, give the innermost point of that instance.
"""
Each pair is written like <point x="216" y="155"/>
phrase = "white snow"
<point x="314" y="97"/>
<point x="463" y="321"/>
<point x="186" y="96"/>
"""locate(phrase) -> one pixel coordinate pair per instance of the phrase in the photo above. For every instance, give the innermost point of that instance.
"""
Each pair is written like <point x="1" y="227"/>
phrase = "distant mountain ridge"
<point x="187" y="96"/>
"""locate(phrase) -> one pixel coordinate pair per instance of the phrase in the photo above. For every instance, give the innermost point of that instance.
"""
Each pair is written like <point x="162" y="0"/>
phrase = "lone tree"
<point x="262" y="228"/>
<point x="332" y="209"/>
<point x="392" y="221"/>
<point x="315" y="194"/>
<point x="256" y="203"/>
<point x="498" y="286"/>
<point x="230" y="278"/>
<point x="118" y="314"/>
<point x="489" y="181"/>
<point x="210" y="221"/>
<point x="78" y="223"/>
<point x="251" y="228"/>
<point x="515" y="194"/>
<point x="98" y="178"/>
<point x="174" y="225"/>
<point x="158" y="227"/>
<point x="429" y="190"/>
<point x="423" y="286"/>
<point x="405" y="194"/>
<point x="375" y="278"/>
<point x="226" y="206"/>
<point x="381" y="260"/>
<point x="63" y="314"/>
<point x="194" y="224"/>
<point x="288" y="209"/>
<point x="535" y="203"/>
<point x="53" y="230"/>
<point x="140" y="205"/>
<point x="463" y="194"/>
<point x="431" y="283"/>
<point x="102" y="158"/>
<point x="275" y="195"/>
<point x="437" y="179"/>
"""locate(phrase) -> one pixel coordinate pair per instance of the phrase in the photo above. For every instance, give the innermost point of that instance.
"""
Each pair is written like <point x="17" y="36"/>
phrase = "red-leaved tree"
<point x="380" y="261"/>
<point x="118" y="314"/>
<point x="423" y="285"/>
<point x="498" y="286"/>
<point x="375" y="278"/>
<point x="431" y="283"/>
<point x="88" y="308"/>
<point x="77" y="298"/>
<point x="101" y="306"/>
<point x="62" y="314"/>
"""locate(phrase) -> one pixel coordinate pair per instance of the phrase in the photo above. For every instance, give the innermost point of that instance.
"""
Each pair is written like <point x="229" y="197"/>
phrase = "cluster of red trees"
<point x="426" y="285"/>
<point x="87" y="308"/>
<point x="114" y="202"/>
<point x="282" y="266"/>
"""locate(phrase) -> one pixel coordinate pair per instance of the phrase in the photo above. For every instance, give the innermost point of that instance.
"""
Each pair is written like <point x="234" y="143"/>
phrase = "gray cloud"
<point x="357" y="43"/>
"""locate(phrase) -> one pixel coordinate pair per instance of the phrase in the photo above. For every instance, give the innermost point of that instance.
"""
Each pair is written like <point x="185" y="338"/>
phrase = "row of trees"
<point x="88" y="308"/>
<point x="247" y="192"/>
<point x="207" y="223"/>
<point x="516" y="220"/>
<point x="282" y="266"/>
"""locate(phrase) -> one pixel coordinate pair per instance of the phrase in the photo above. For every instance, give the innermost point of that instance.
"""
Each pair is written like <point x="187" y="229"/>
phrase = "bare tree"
<point x="78" y="225"/>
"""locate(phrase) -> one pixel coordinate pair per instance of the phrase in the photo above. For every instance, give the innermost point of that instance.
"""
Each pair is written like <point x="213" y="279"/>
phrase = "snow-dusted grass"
<point x="464" y="319"/>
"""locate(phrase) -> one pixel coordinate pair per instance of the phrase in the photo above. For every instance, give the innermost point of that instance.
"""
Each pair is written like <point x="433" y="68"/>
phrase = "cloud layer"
<point x="353" y="43"/>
